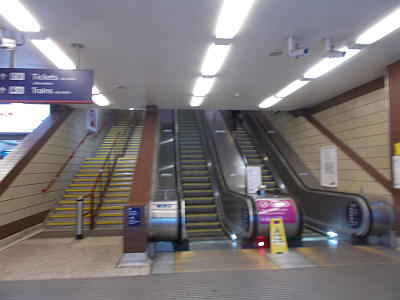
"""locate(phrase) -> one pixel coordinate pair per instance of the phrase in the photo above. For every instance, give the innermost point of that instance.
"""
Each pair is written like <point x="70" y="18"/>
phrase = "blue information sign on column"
<point x="45" y="86"/>
<point x="133" y="216"/>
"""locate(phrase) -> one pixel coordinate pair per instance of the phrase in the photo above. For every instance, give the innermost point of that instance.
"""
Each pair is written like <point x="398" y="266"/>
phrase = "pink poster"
<point x="276" y="208"/>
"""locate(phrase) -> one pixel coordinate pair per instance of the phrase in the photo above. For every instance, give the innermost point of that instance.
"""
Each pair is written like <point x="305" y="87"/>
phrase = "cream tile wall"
<point x="361" y="123"/>
<point x="24" y="197"/>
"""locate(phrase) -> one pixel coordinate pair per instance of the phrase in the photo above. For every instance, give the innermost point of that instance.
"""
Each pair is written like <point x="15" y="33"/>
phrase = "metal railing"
<point x="58" y="174"/>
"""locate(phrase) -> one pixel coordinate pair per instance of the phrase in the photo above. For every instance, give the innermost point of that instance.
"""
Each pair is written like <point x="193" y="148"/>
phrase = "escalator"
<point x="200" y="207"/>
<point x="353" y="217"/>
<point x="253" y="157"/>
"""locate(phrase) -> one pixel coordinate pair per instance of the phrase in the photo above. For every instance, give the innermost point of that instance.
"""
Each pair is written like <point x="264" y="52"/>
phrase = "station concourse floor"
<point x="64" y="268"/>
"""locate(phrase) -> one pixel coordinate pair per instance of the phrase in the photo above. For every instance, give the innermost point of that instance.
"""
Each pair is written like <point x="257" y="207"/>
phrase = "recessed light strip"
<point x="328" y="64"/>
<point x="15" y="13"/>
<point x="54" y="53"/>
<point x="231" y="18"/>
<point x="214" y="59"/>
<point x="196" y="101"/>
<point x="381" y="29"/>
<point x="203" y="86"/>
<point x="269" y="102"/>
<point x="291" y="88"/>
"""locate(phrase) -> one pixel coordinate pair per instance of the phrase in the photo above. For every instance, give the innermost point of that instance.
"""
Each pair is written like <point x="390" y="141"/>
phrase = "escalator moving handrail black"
<point x="178" y="181"/>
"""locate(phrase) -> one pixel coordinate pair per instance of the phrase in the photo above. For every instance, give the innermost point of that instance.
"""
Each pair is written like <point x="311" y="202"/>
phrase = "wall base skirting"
<point x="20" y="236"/>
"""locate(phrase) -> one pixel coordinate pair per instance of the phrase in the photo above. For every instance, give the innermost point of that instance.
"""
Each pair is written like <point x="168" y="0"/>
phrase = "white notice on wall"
<point x="329" y="167"/>
<point x="254" y="179"/>
<point x="396" y="171"/>
<point x="92" y="119"/>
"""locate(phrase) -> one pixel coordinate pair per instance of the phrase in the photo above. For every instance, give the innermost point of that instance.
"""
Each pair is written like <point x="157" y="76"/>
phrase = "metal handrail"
<point x="58" y="174"/>
<point x="99" y="181"/>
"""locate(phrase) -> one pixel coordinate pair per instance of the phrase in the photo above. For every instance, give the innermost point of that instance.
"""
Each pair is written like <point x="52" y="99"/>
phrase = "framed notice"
<point x="329" y="166"/>
<point x="254" y="179"/>
<point x="92" y="119"/>
<point x="396" y="171"/>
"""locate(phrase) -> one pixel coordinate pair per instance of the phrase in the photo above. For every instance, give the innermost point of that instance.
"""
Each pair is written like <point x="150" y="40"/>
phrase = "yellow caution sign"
<point x="397" y="149"/>
<point x="277" y="236"/>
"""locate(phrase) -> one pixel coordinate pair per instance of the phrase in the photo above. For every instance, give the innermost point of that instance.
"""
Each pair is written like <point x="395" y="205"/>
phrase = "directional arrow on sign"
<point x="3" y="76"/>
<point x="3" y="90"/>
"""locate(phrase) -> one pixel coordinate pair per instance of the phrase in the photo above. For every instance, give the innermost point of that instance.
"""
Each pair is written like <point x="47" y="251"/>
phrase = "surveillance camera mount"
<point x="295" y="51"/>
<point x="330" y="51"/>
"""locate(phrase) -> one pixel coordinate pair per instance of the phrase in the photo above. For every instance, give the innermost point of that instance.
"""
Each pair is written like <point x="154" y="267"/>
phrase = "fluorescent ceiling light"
<point x="95" y="90"/>
<point x="231" y="17"/>
<point x="100" y="100"/>
<point x="196" y="101"/>
<point x="291" y="88"/>
<point x="203" y="86"/>
<point x="15" y="13"/>
<point x="327" y="64"/>
<point x="381" y="29"/>
<point x="54" y="54"/>
<point x="269" y="102"/>
<point x="214" y="59"/>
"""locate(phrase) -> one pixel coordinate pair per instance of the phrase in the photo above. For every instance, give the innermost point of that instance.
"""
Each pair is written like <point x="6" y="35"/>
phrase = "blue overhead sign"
<point x="45" y="86"/>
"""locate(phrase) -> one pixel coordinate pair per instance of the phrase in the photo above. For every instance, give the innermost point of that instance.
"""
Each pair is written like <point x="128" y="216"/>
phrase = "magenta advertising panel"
<point x="276" y="208"/>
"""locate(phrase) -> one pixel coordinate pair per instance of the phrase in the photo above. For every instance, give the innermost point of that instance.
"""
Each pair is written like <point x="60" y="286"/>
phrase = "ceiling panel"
<point x="155" y="48"/>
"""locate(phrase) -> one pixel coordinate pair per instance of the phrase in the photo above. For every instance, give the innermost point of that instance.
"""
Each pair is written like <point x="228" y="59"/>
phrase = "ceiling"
<point x="155" y="48"/>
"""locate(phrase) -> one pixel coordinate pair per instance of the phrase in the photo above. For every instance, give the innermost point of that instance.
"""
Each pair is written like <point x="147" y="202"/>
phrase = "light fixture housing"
<point x="214" y="59"/>
<point x="328" y="64"/>
<point x="231" y="18"/>
<point x="100" y="100"/>
<point x="196" y="101"/>
<point x="15" y="13"/>
<point x="95" y="90"/>
<point x="381" y="29"/>
<point x="291" y="88"/>
<point x="54" y="53"/>
<point x="270" y="101"/>
<point x="203" y="86"/>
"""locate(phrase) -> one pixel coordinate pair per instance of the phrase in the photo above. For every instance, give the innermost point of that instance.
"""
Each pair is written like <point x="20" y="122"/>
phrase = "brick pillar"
<point x="135" y="214"/>
<point x="393" y="81"/>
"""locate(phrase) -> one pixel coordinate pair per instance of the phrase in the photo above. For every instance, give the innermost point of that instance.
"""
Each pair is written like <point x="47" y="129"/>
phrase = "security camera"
<point x="8" y="44"/>
<point x="334" y="54"/>
<point x="296" y="51"/>
<point x="330" y="52"/>
<point x="299" y="52"/>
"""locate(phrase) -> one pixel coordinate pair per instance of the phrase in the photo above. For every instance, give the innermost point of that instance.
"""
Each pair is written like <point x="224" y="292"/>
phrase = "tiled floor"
<point x="53" y="258"/>
<point x="42" y="257"/>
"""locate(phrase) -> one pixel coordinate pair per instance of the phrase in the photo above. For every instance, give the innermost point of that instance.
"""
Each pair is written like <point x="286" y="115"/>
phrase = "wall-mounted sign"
<point x="45" y="85"/>
<point x="92" y="119"/>
<point x="329" y="167"/>
<point x="354" y="216"/>
<point x="269" y="208"/>
<point x="133" y="216"/>
<point x="254" y="179"/>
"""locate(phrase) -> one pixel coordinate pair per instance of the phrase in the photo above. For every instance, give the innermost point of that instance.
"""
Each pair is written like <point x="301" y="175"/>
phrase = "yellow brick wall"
<point x="24" y="196"/>
<point x="361" y="123"/>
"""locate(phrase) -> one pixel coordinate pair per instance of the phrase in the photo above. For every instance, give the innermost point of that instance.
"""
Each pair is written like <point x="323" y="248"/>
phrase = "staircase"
<point x="252" y="155"/>
<point x="63" y="216"/>
<point x="201" y="214"/>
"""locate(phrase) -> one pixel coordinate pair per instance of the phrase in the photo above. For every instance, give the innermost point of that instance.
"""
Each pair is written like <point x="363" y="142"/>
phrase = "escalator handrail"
<point x="178" y="181"/>
<point x="207" y="134"/>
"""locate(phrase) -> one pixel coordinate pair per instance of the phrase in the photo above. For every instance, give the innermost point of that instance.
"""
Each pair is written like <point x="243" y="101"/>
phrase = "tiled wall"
<point x="361" y="123"/>
<point x="24" y="196"/>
